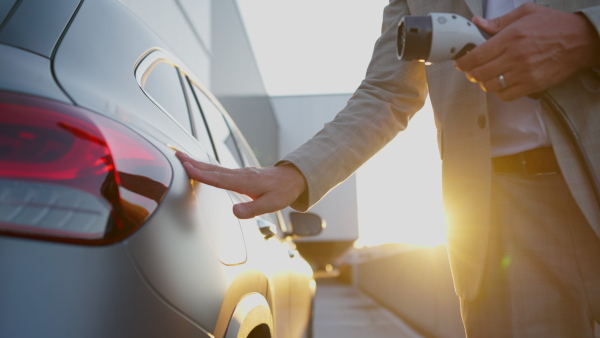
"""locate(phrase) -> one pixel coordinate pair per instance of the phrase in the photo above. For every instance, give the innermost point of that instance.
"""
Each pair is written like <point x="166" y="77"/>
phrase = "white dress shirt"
<point x="515" y="126"/>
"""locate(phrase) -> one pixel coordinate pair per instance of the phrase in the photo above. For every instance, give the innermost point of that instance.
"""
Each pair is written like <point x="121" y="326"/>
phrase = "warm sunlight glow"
<point x="399" y="189"/>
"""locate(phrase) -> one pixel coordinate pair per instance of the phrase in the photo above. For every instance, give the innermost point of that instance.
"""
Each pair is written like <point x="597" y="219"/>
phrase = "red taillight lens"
<point x="71" y="175"/>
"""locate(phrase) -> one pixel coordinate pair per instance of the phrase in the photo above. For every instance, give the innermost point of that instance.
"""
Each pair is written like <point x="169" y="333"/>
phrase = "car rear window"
<point x="164" y="86"/>
<point x="36" y="25"/>
<point x="5" y="7"/>
<point x="223" y="139"/>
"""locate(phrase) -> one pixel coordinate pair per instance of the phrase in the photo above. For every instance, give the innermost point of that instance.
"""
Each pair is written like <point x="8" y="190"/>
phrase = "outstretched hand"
<point x="533" y="48"/>
<point x="270" y="188"/>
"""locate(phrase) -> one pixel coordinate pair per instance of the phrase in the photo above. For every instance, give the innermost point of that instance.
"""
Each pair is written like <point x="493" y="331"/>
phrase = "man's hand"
<point x="270" y="188"/>
<point x="533" y="48"/>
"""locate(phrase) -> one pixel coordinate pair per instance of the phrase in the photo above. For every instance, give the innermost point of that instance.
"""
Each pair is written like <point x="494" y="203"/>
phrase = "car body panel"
<point x="174" y="251"/>
<point x="28" y="73"/>
<point x="192" y="268"/>
<point x="59" y="290"/>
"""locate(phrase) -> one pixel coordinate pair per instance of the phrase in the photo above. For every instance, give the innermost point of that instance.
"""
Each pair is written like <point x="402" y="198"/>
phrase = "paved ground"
<point x="341" y="311"/>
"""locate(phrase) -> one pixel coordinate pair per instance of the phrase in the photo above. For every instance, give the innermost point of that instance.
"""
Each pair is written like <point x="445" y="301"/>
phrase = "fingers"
<point x="483" y="53"/>
<point x="183" y="157"/>
<point x="485" y="25"/>
<point x="519" y="59"/>
<point x="514" y="83"/>
<point x="488" y="75"/>
<point x="205" y="176"/>
<point x="493" y="85"/>
<point x="210" y="174"/>
<point x="251" y="209"/>
<point x="271" y="201"/>
<point x="496" y="46"/>
<point x="489" y="72"/>
<point x="244" y="210"/>
<point x="509" y="18"/>
<point x="500" y="82"/>
<point x="238" y="180"/>
<point x="270" y="188"/>
<point x="260" y="206"/>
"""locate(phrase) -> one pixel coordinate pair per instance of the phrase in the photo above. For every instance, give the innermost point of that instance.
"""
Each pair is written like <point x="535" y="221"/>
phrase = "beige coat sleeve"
<point x="387" y="98"/>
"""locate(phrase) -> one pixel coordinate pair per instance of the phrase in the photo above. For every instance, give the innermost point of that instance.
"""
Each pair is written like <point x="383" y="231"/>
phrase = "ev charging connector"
<point x="437" y="37"/>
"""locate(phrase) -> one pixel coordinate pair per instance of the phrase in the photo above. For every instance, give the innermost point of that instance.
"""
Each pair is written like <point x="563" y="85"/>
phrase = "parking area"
<point x="343" y="311"/>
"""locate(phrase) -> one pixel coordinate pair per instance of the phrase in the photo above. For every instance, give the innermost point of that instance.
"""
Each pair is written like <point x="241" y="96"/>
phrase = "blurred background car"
<point x="102" y="234"/>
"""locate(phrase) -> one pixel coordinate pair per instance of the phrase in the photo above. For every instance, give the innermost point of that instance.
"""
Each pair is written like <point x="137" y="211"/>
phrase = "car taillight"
<point x="70" y="175"/>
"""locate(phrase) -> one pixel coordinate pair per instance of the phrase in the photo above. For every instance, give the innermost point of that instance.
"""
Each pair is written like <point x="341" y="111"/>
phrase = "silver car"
<point x="102" y="234"/>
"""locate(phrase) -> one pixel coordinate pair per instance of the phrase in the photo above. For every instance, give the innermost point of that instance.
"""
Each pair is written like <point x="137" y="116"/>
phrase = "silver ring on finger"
<point x="502" y="81"/>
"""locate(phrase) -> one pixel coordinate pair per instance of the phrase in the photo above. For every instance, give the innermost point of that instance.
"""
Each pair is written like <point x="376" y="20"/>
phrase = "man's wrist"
<point x="301" y="203"/>
<point x="299" y="180"/>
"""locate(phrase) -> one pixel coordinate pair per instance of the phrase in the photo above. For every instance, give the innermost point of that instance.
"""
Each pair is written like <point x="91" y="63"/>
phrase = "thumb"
<point x="264" y="204"/>
<point x="254" y="208"/>
<point x="491" y="27"/>
<point x="244" y="210"/>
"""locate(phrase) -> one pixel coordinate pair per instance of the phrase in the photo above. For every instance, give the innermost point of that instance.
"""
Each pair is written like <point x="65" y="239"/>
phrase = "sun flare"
<point x="399" y="189"/>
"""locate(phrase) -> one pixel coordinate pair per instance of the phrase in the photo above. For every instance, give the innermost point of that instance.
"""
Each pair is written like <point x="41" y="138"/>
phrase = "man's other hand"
<point x="270" y="188"/>
<point x="533" y="48"/>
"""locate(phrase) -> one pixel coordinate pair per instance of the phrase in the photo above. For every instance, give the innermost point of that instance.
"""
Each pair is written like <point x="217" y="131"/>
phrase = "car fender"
<point x="252" y="312"/>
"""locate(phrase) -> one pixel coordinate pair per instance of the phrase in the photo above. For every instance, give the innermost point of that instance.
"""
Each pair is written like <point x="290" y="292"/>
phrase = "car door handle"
<point x="267" y="229"/>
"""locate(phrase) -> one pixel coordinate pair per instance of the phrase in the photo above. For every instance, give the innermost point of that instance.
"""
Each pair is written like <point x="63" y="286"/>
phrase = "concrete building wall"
<point x="210" y="38"/>
<point x="299" y="118"/>
<point x="237" y="83"/>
